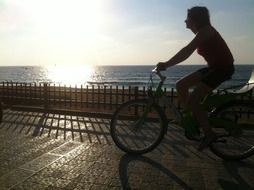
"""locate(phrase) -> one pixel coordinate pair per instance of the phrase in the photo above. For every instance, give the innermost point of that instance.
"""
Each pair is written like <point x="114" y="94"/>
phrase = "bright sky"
<point x="99" y="32"/>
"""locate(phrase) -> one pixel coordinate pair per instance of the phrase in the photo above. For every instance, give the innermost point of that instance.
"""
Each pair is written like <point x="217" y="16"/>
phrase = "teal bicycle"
<point x="138" y="126"/>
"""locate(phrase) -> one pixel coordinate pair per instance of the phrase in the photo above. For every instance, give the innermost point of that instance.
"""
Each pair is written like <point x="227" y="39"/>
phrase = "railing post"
<point x="45" y="89"/>
<point x="110" y="97"/>
<point x="93" y="94"/>
<point x="116" y="96"/>
<point x="172" y="95"/>
<point x="98" y="96"/>
<point x="136" y="97"/>
<point x="123" y="94"/>
<point x="2" y="92"/>
<point x="81" y="96"/>
<point x="136" y="92"/>
<point x="105" y="97"/>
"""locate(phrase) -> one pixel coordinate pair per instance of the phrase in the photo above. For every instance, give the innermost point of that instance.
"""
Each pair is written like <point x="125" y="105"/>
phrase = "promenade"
<point x="61" y="152"/>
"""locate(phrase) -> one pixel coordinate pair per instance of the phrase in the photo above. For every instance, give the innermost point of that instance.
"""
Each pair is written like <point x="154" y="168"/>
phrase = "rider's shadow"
<point x="124" y="174"/>
<point x="233" y="169"/>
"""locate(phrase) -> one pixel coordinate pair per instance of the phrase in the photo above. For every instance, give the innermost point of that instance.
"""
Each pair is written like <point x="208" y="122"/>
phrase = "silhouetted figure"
<point x="211" y="46"/>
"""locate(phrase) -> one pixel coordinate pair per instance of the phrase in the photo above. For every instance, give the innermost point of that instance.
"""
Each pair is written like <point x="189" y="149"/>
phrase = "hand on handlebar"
<point x="157" y="71"/>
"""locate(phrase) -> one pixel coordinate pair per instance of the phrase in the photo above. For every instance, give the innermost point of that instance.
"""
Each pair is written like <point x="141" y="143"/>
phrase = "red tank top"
<point x="216" y="52"/>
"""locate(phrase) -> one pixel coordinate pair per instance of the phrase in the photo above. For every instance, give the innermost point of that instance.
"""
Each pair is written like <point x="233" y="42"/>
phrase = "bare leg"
<point x="192" y="101"/>
<point x="195" y="98"/>
<point x="183" y="86"/>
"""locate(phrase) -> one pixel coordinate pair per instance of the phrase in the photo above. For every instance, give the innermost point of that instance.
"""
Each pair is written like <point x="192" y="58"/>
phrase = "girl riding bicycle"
<point x="213" y="48"/>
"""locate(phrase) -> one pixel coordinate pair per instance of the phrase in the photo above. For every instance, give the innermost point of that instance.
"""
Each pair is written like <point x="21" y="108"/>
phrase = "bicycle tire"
<point x="135" y="133"/>
<point x="238" y="143"/>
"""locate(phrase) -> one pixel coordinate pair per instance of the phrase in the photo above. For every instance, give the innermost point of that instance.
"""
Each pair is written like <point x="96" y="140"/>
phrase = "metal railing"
<point x="84" y="99"/>
<point x="88" y="98"/>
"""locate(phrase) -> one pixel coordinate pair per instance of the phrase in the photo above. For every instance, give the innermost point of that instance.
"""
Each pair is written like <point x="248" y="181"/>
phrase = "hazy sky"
<point x="42" y="32"/>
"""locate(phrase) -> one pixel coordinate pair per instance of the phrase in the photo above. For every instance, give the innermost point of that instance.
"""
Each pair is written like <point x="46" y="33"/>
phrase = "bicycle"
<point x="138" y="126"/>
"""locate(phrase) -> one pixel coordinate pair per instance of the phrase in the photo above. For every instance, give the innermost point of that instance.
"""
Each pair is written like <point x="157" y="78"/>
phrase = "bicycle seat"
<point x="247" y="87"/>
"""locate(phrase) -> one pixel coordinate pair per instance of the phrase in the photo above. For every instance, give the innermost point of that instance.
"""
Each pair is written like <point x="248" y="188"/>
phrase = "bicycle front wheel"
<point x="237" y="123"/>
<point x="137" y="126"/>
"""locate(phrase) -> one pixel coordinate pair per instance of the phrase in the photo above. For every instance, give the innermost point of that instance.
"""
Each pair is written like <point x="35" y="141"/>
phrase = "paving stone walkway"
<point x="50" y="151"/>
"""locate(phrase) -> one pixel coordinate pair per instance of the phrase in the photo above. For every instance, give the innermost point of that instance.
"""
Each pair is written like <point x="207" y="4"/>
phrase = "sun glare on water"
<point x="70" y="74"/>
<point x="66" y="32"/>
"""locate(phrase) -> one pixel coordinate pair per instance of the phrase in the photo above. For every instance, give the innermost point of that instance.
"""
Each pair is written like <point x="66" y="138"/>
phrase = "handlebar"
<point x="157" y="72"/>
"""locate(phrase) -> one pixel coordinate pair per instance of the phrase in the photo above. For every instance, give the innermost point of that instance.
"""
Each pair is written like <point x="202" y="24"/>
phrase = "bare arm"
<point x="182" y="55"/>
<point x="185" y="52"/>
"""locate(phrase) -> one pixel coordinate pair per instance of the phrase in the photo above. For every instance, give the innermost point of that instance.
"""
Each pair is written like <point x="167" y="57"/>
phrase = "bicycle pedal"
<point x="192" y="137"/>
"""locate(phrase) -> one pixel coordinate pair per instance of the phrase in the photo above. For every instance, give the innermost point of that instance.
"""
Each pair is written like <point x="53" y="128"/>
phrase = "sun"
<point x="65" y="28"/>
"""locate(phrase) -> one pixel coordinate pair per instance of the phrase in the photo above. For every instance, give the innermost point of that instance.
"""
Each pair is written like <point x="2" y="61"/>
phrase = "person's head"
<point x="197" y="17"/>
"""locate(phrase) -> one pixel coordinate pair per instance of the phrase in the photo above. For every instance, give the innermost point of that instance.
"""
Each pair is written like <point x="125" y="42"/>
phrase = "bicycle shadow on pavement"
<point x="80" y="128"/>
<point x="233" y="168"/>
<point x="124" y="174"/>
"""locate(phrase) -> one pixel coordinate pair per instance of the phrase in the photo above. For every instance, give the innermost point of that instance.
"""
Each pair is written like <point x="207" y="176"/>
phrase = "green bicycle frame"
<point x="209" y="104"/>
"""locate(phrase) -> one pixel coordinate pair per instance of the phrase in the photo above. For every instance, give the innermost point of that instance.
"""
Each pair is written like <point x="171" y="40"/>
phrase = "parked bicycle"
<point x="139" y="125"/>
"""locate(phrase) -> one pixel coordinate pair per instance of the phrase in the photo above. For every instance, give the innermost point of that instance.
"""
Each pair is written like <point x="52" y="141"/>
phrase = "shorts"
<point x="214" y="77"/>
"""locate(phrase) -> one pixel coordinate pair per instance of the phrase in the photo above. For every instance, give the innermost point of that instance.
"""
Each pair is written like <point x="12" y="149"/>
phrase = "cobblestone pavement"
<point x="46" y="151"/>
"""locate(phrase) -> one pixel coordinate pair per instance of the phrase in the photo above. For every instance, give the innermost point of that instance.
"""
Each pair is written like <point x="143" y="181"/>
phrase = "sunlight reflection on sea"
<point x="69" y="74"/>
<point x="75" y="74"/>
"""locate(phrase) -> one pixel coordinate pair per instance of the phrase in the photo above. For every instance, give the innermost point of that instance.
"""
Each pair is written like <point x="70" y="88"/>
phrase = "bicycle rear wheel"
<point x="137" y="127"/>
<point x="237" y="118"/>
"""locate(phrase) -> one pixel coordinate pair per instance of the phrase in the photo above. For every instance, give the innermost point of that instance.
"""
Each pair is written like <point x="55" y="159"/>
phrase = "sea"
<point x="128" y="75"/>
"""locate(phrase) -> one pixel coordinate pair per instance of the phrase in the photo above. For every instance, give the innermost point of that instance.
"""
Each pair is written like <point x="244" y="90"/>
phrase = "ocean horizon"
<point x="110" y="75"/>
